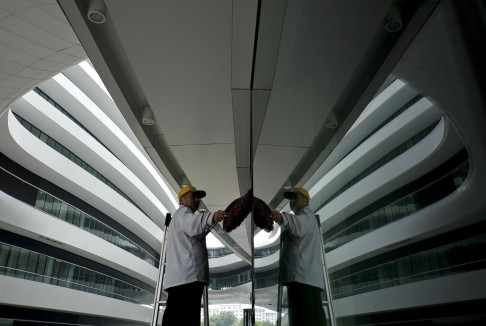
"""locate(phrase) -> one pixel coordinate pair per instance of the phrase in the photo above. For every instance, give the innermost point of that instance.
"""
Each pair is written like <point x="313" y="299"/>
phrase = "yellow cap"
<point x="296" y="190"/>
<point x="186" y="189"/>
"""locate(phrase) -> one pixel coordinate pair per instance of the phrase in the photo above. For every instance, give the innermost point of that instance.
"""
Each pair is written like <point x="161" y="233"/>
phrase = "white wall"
<point x="454" y="288"/>
<point x="36" y="295"/>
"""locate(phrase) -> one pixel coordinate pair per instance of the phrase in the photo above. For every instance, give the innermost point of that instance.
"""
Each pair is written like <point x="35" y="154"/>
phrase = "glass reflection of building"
<point x="398" y="194"/>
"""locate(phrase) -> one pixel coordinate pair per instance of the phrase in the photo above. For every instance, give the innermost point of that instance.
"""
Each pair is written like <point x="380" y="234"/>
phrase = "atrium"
<point x="376" y="107"/>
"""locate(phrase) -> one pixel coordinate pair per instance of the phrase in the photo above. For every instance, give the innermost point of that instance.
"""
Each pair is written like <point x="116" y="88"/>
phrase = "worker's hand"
<point x="277" y="217"/>
<point x="218" y="216"/>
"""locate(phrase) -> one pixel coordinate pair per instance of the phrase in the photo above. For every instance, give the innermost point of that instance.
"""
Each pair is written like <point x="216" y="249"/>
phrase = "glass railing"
<point x="454" y="258"/>
<point x="73" y="157"/>
<point x="259" y="252"/>
<point x="29" y="265"/>
<point x="266" y="281"/>
<point x="400" y="208"/>
<point x="223" y="283"/>
<point x="63" y="211"/>
<point x="72" y="215"/>
<point x="67" y="114"/>
<point x="404" y="108"/>
<point x="397" y="151"/>
<point x="219" y="252"/>
<point x="264" y="252"/>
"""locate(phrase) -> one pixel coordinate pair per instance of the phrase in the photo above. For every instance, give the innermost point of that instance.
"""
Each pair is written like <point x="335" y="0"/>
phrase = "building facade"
<point x="377" y="109"/>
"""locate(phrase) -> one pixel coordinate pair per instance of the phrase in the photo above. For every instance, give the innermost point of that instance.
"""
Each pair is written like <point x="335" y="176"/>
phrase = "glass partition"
<point x="29" y="265"/>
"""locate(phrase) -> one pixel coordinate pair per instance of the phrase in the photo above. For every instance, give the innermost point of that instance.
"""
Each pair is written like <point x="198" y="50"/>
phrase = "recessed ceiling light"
<point x="96" y="16"/>
<point x="331" y="124"/>
<point x="393" y="19"/>
<point x="97" y="12"/>
<point x="148" y="118"/>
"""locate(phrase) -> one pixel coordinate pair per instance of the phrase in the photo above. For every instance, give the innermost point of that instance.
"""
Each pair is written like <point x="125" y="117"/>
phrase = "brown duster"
<point x="240" y="208"/>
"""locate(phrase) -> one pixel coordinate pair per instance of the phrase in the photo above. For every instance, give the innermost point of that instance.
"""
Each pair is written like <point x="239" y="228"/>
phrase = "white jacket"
<point x="186" y="256"/>
<point x="301" y="256"/>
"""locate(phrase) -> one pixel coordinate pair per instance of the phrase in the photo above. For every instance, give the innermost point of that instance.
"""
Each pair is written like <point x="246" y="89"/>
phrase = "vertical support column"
<point x="279" y="288"/>
<point x="326" y="277"/>
<point x="205" y="306"/>
<point x="253" y="274"/>
<point x="247" y="317"/>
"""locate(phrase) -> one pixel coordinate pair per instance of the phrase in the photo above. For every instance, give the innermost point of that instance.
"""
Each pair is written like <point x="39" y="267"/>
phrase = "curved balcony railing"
<point x="219" y="252"/>
<point x="400" y="208"/>
<point x="72" y="215"/>
<point x="397" y="151"/>
<point x="73" y="157"/>
<point x="29" y="265"/>
<point x="268" y="251"/>
<point x="223" y="283"/>
<point x="259" y="252"/>
<point x="454" y="258"/>
<point x="266" y="281"/>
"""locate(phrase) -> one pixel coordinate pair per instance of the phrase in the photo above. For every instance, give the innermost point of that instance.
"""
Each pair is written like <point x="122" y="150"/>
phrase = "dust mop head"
<point x="237" y="211"/>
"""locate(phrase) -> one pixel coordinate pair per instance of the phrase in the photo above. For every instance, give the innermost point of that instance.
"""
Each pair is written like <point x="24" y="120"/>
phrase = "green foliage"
<point x="224" y="318"/>
<point x="264" y="323"/>
<point x="239" y="322"/>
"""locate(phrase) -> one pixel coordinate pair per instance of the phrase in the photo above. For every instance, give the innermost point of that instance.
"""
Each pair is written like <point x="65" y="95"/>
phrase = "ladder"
<point x="159" y="287"/>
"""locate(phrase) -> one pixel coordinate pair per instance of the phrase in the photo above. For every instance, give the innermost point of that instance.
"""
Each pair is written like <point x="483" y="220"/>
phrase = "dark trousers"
<point x="184" y="305"/>
<point x="305" y="305"/>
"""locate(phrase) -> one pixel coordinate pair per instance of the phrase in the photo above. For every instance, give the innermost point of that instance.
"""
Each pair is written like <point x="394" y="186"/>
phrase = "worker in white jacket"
<point x="301" y="260"/>
<point x="187" y="268"/>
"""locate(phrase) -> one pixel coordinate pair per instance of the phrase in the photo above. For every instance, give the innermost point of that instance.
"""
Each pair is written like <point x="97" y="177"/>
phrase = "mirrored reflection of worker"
<point x="301" y="260"/>
<point x="187" y="268"/>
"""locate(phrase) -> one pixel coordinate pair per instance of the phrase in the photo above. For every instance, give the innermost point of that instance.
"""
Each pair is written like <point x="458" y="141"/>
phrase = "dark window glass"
<point x="26" y="125"/>
<point x="4" y="252"/>
<point x="58" y="147"/>
<point x="65" y="152"/>
<point x="51" y="142"/>
<point x="22" y="263"/>
<point x="87" y="222"/>
<point x="44" y="137"/>
<point x="82" y="217"/>
<point x="36" y="132"/>
<point x="40" y="268"/>
<point x="48" y="270"/>
<point x="12" y="261"/>
<point x="63" y="211"/>
<point x="70" y="214"/>
<point x="41" y="197"/>
<point x="31" y="265"/>
<point x="48" y="204"/>
<point x="76" y="217"/>
<point x="56" y="207"/>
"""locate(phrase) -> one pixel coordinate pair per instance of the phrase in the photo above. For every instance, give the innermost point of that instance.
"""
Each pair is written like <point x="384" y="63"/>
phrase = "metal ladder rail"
<point x="326" y="276"/>
<point x="279" y="285"/>
<point x="159" y="286"/>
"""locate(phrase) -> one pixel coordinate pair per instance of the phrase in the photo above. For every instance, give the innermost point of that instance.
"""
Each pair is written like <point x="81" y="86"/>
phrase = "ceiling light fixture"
<point x="97" y="12"/>
<point x="393" y="19"/>
<point x="148" y="118"/>
<point x="331" y="124"/>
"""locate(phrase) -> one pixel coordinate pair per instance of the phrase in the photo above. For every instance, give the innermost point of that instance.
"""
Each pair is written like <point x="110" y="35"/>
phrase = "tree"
<point x="264" y="323"/>
<point x="224" y="318"/>
<point x="239" y="322"/>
